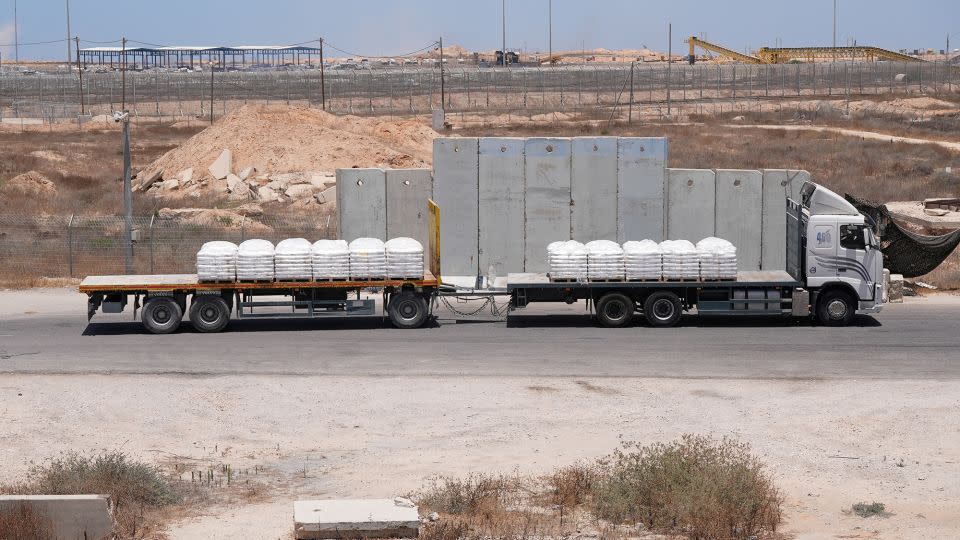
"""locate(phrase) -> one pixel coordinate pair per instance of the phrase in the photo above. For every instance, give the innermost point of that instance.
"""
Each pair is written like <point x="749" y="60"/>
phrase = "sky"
<point x="392" y="28"/>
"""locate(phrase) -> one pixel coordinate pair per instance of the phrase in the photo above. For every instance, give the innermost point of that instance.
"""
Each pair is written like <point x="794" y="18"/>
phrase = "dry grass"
<point x="22" y="523"/>
<point x="696" y="487"/>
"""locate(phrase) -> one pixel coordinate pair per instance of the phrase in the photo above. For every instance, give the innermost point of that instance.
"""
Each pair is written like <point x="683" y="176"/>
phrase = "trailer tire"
<point x="407" y="310"/>
<point x="209" y="313"/>
<point x="663" y="309"/>
<point x="161" y="315"/>
<point x="615" y="310"/>
<point x="835" y="308"/>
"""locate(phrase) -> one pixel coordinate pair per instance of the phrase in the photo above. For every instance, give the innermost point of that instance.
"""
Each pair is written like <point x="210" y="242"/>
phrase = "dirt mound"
<point x="30" y="183"/>
<point x="279" y="139"/>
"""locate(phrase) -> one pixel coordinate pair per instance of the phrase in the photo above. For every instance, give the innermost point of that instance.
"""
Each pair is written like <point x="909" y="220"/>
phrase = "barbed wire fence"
<point x="635" y="90"/>
<point x="78" y="246"/>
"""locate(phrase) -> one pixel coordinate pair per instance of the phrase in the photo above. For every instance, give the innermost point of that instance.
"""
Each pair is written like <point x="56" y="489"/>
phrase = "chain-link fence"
<point x="78" y="246"/>
<point x="169" y="96"/>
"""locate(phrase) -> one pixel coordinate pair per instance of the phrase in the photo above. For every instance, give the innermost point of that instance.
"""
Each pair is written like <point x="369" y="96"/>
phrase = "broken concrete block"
<point x="69" y="516"/>
<point x="234" y="182"/>
<point x="281" y="181"/>
<point x="297" y="191"/>
<point x="223" y="165"/>
<point x="345" y="518"/>
<point x="149" y="180"/>
<point x="186" y="177"/>
<point x="244" y="174"/>
<point x="240" y="191"/>
<point x="169" y="185"/>
<point x="323" y="180"/>
<point x="328" y="195"/>
<point x="267" y="194"/>
<point x="896" y="289"/>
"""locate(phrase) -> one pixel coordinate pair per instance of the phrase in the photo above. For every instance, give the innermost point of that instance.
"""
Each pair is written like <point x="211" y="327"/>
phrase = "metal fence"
<point x="174" y="96"/>
<point x="78" y="246"/>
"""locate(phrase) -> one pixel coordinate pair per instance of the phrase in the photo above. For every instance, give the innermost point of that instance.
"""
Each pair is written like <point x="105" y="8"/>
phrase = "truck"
<point x="833" y="271"/>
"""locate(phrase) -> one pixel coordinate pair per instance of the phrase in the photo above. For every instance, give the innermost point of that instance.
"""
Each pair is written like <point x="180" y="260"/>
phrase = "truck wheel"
<point x="209" y="313"/>
<point x="407" y="310"/>
<point x="161" y="315"/>
<point x="663" y="309"/>
<point x="835" y="308"/>
<point x="615" y="310"/>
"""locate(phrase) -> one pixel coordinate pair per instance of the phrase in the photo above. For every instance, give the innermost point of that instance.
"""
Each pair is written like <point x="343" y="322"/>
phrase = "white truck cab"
<point x="842" y="263"/>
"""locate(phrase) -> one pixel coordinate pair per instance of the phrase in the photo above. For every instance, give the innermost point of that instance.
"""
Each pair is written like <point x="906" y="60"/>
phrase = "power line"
<point x="334" y="47"/>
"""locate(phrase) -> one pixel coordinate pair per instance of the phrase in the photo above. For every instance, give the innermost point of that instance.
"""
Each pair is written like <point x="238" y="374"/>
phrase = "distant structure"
<point x="193" y="57"/>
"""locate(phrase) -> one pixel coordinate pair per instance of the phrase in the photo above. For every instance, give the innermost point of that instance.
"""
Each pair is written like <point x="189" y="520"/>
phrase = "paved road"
<point x="920" y="339"/>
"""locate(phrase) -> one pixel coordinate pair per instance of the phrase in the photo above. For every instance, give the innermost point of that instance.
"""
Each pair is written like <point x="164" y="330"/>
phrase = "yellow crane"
<point x="781" y="55"/>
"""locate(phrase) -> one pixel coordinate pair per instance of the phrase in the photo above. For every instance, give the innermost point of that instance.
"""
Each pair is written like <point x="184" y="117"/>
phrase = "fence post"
<point x="151" y="243"/>
<point x="70" y="243"/>
<point x="243" y="232"/>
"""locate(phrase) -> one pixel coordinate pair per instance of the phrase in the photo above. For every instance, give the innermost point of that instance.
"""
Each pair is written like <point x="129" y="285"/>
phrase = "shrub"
<point x="467" y="495"/>
<point x="696" y="486"/>
<point x="865" y="510"/>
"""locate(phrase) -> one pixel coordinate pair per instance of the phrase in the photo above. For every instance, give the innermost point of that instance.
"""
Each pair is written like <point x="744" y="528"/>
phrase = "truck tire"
<point x="663" y="309"/>
<point x="209" y="313"/>
<point x="615" y="310"/>
<point x="161" y="315"/>
<point x="407" y="310"/>
<point x="835" y="308"/>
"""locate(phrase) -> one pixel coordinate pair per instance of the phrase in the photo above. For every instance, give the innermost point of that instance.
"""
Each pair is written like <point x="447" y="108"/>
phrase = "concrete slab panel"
<point x="501" y="203"/>
<point x="407" y="194"/>
<point x="778" y="186"/>
<point x="547" y="204"/>
<point x="691" y="204"/>
<point x="356" y="518"/>
<point x="70" y="516"/>
<point x="739" y="214"/>
<point x="641" y="188"/>
<point x="361" y="203"/>
<point x="593" y="189"/>
<point x="455" y="190"/>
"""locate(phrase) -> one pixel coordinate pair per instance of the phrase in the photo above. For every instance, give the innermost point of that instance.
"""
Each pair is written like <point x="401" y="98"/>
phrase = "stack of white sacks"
<point x="331" y="259"/>
<point x="217" y="261"/>
<point x="404" y="258"/>
<point x="680" y="260"/>
<point x="567" y="260"/>
<point x="604" y="260"/>
<point x="255" y="261"/>
<point x="718" y="259"/>
<point x="368" y="259"/>
<point x="292" y="260"/>
<point x="642" y="260"/>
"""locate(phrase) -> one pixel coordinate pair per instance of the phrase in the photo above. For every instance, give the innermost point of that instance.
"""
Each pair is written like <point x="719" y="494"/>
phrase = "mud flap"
<point x="93" y="304"/>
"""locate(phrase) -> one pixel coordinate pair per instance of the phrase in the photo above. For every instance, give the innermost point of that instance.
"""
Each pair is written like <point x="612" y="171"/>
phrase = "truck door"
<point x="821" y="251"/>
<point x="855" y="261"/>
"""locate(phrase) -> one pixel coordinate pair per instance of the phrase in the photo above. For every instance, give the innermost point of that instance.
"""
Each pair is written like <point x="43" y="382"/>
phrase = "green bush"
<point x="865" y="510"/>
<point x="697" y="486"/>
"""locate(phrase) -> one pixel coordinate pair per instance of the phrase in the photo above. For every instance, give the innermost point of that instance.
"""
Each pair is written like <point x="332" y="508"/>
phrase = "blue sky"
<point x="383" y="27"/>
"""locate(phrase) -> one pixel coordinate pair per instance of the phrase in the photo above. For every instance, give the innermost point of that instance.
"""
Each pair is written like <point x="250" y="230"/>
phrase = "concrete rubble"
<point x="223" y="165"/>
<point x="356" y="518"/>
<point x="328" y="195"/>
<point x="244" y="174"/>
<point x="70" y="516"/>
<point x="896" y="288"/>
<point x="149" y="180"/>
<point x="299" y="191"/>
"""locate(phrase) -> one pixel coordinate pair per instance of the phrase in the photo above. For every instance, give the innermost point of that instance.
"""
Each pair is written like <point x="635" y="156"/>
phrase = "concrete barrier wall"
<point x="593" y="189"/>
<point x="547" y="201"/>
<point x="501" y="204"/>
<point x="361" y="203"/>
<point x="455" y="189"/>
<point x="691" y="204"/>
<point x="778" y="186"/>
<point x="738" y="214"/>
<point x="641" y="180"/>
<point x="407" y="193"/>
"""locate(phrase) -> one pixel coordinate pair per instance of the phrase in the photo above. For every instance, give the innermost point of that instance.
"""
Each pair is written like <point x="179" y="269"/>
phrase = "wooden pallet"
<point x="255" y="281"/>
<point x="564" y="280"/>
<point x="217" y="281"/>
<point x="325" y="280"/>
<point x="612" y="280"/>
<point x="645" y="280"/>
<point x="368" y="279"/>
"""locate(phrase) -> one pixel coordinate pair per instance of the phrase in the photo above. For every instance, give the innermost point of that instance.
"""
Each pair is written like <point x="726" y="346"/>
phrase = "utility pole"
<point x="16" y="36"/>
<point x="211" y="88"/>
<point x="69" y="58"/>
<point x="503" y="57"/>
<point x="669" y="62"/>
<point x="124" y="118"/>
<point x="323" y="85"/>
<point x="123" y="76"/>
<point x="834" y="30"/>
<point x="443" y="91"/>
<point x="550" y="39"/>
<point x="80" y="73"/>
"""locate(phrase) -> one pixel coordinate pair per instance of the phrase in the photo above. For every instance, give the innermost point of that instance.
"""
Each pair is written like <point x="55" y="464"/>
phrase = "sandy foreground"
<point x="829" y="443"/>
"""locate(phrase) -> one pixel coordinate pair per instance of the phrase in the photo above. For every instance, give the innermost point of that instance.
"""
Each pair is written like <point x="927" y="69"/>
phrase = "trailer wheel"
<point x="615" y="310"/>
<point x="407" y="310"/>
<point x="161" y="315"/>
<point x="663" y="309"/>
<point x="209" y="313"/>
<point x="835" y="308"/>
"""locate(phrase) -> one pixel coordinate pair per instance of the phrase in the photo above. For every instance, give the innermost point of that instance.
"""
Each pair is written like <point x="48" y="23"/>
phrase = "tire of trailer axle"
<point x="407" y="310"/>
<point x="209" y="313"/>
<point x="161" y="315"/>
<point x="615" y="310"/>
<point x="835" y="308"/>
<point x="663" y="309"/>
